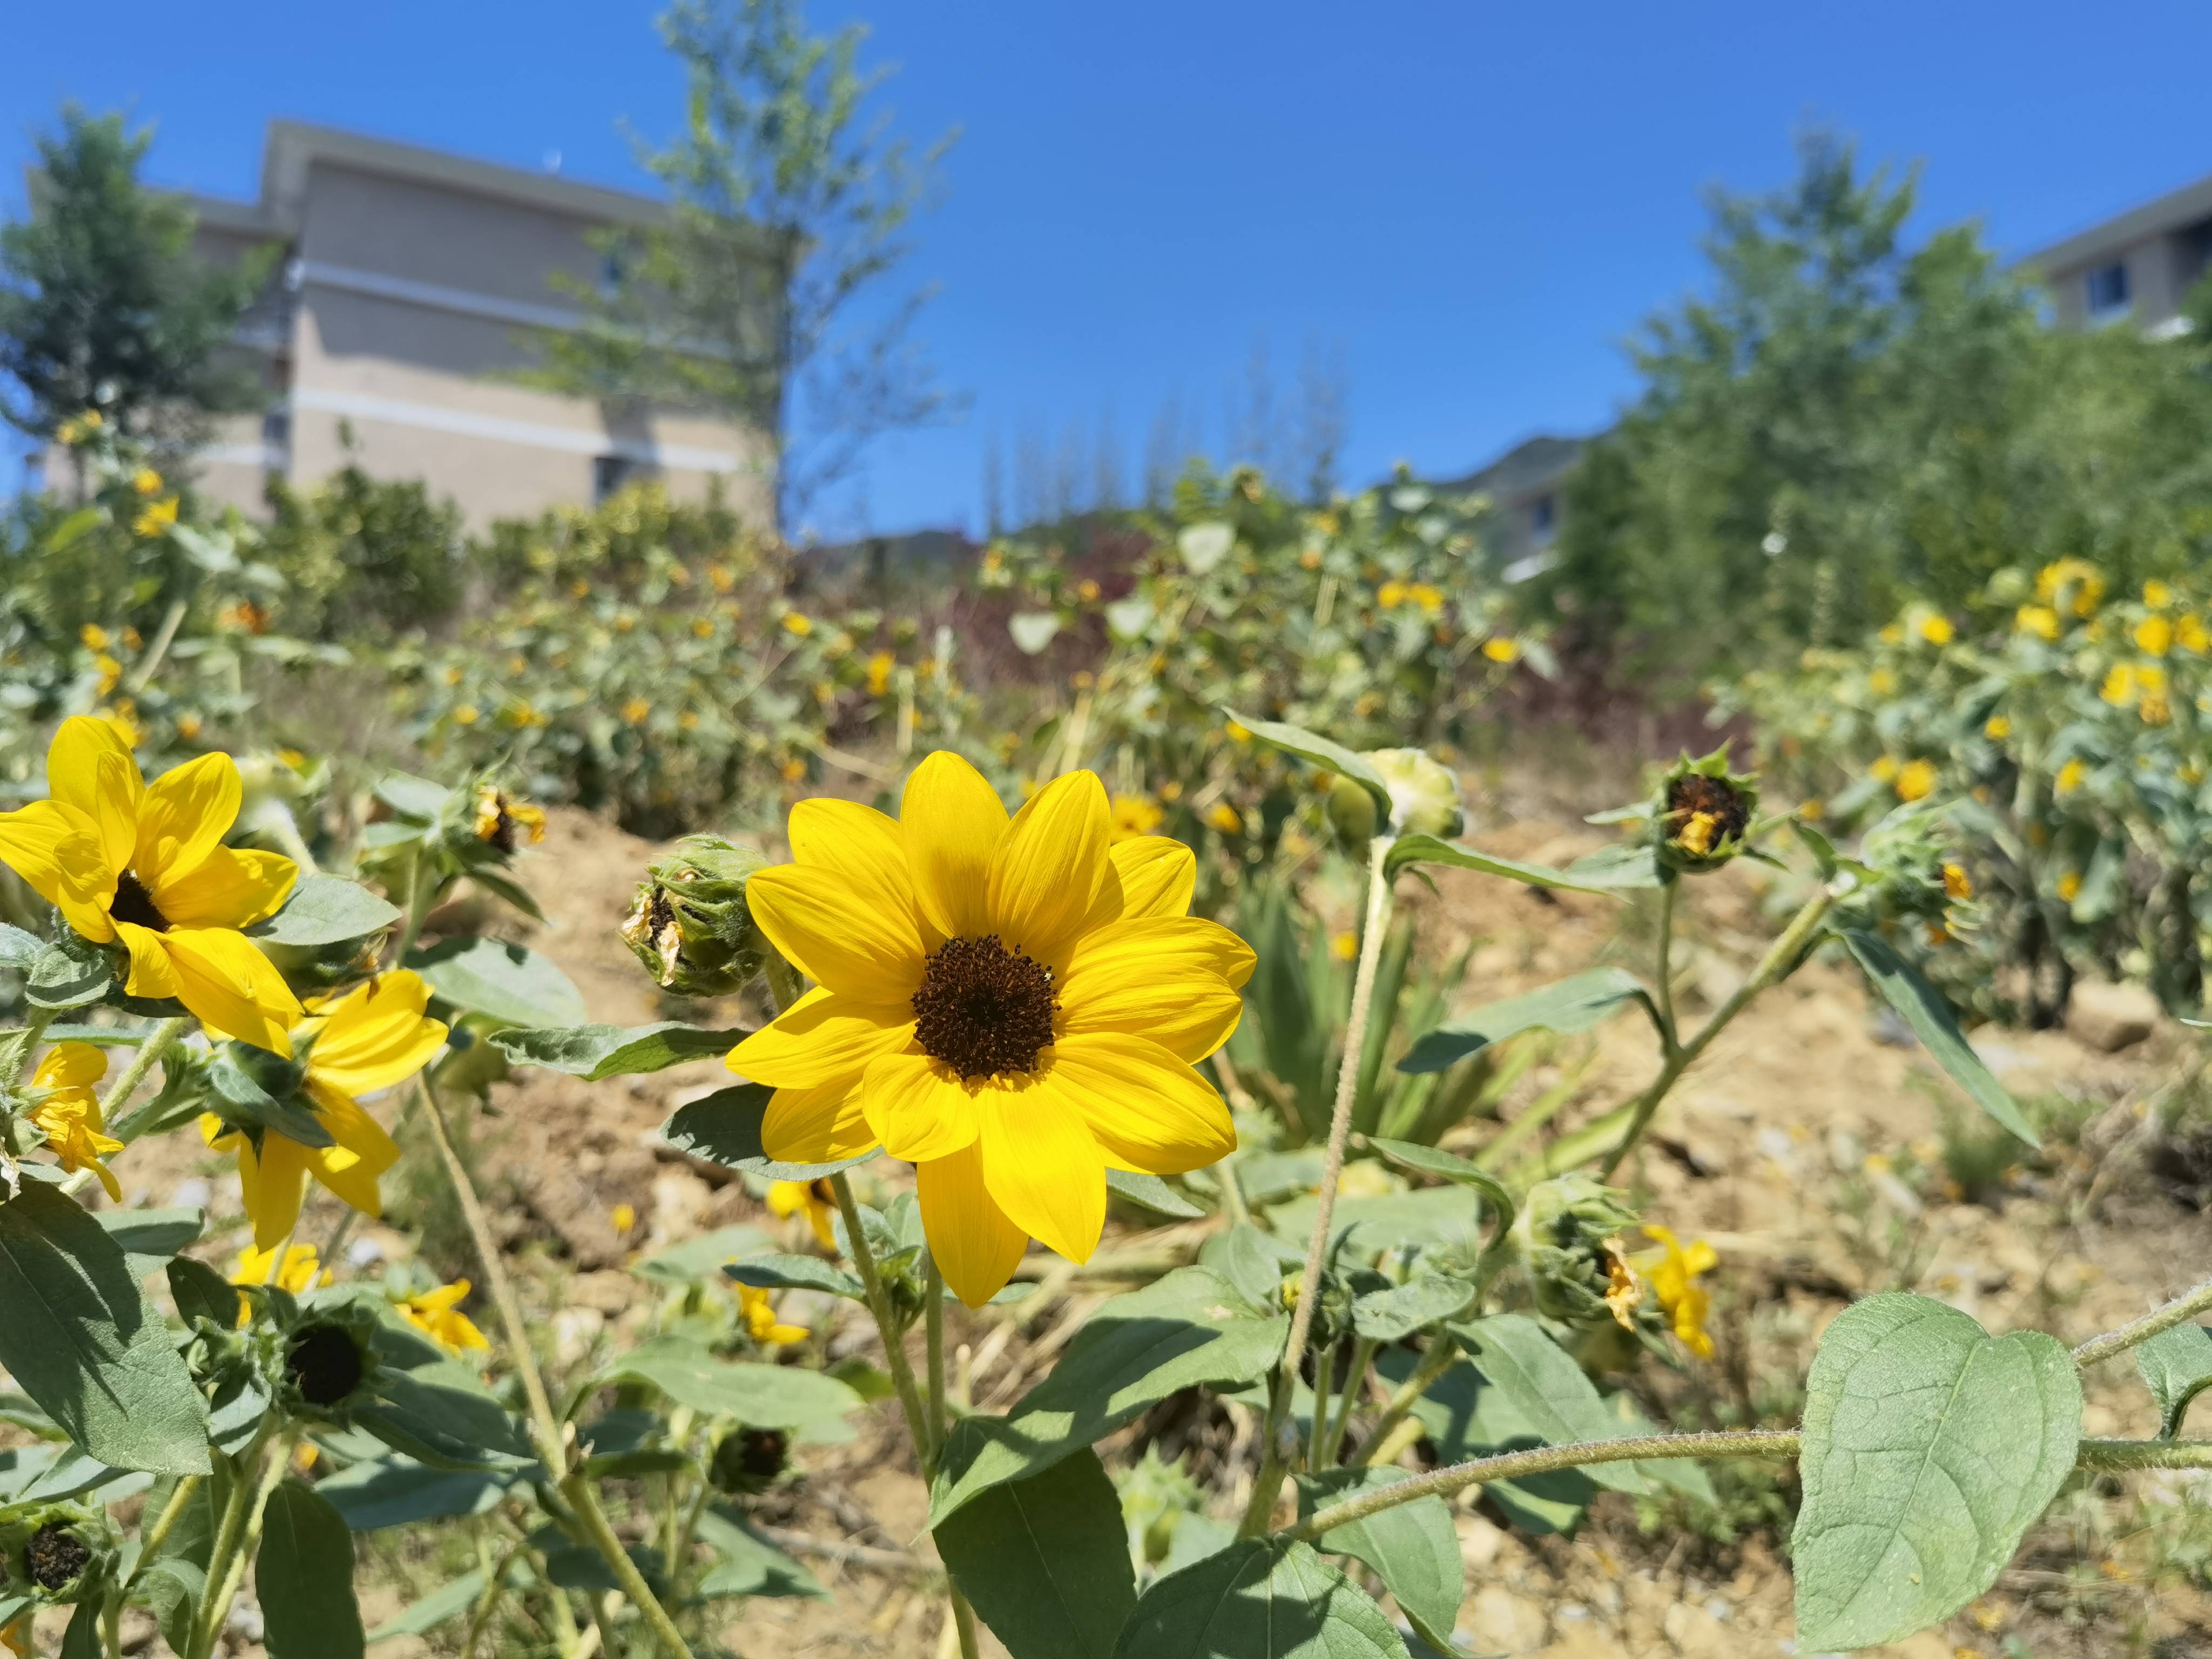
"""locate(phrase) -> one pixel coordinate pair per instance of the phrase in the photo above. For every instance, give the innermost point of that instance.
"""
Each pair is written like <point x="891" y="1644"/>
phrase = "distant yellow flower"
<point x="1225" y="818"/>
<point x="122" y="720"/>
<point x="2039" y="620"/>
<point x="1430" y="599"/>
<point x="2193" y="636"/>
<point x="1812" y="810"/>
<point x="1345" y="946"/>
<point x="703" y="627"/>
<point x="144" y="866"/>
<point x="146" y="481"/>
<point x="623" y="1216"/>
<point x="1500" y="649"/>
<point x="2155" y="711"/>
<point x="93" y="636"/>
<point x="371" y="1038"/>
<point x="879" y="673"/>
<point x="464" y="714"/>
<point x="581" y="588"/>
<point x="1135" y="815"/>
<point x="1916" y="780"/>
<point x="505" y="822"/>
<point x="154" y="520"/>
<point x="798" y="624"/>
<point x="2157" y="594"/>
<point x="2073" y="584"/>
<point x="437" y="1314"/>
<point x="1674" y="1276"/>
<point x="2119" y="687"/>
<point x="1957" y="883"/>
<point x="2153" y="637"/>
<point x="1884" y="768"/>
<point x="635" y="710"/>
<point x="761" y="1322"/>
<point x="1087" y="590"/>
<point x="70" y="1116"/>
<point x="1996" y="728"/>
<point x="1937" y="630"/>
<point x="722" y="577"/>
<point x="812" y="1199"/>
<point x="1881" y="682"/>
<point x="1891" y="634"/>
<point x="2070" y="776"/>
<point x="1237" y="733"/>
<point x="2069" y="885"/>
<point x="1390" y="595"/>
<point x="687" y="720"/>
<point x="302" y="1270"/>
<point x="110" y="672"/>
<point x="1171" y="792"/>
<point x="794" y="770"/>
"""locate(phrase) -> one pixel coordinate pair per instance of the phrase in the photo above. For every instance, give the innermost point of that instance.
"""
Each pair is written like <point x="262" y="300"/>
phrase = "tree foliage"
<point x="103" y="304"/>
<point x="1850" y="417"/>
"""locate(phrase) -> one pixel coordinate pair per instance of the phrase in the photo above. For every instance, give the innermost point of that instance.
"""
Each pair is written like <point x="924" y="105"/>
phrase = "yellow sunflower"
<point x="144" y="865"/>
<point x="761" y="1323"/>
<point x="437" y="1314"/>
<point x="1674" y="1274"/>
<point x="1014" y="1006"/>
<point x="70" y="1116"/>
<point x="368" y="1039"/>
<point x="811" y="1198"/>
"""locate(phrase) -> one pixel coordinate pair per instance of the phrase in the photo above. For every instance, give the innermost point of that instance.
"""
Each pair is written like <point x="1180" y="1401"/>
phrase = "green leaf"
<point x="1311" y="746"/>
<point x="303" y="1574"/>
<point x="1186" y="1328"/>
<point x="67" y="974"/>
<point x="1205" y="544"/>
<point x="2177" y="1366"/>
<point x="1414" y="1546"/>
<point x="1152" y="1194"/>
<point x="510" y="983"/>
<point x="396" y="1491"/>
<point x="19" y="949"/>
<point x="1930" y="1447"/>
<point x="1574" y="1004"/>
<point x="1628" y="866"/>
<point x="1428" y="850"/>
<point x="765" y="1396"/>
<point x="81" y="1640"/>
<point x="78" y="1334"/>
<point x="1032" y="630"/>
<point x="1552" y="1398"/>
<point x="1264" y="1598"/>
<point x="596" y="1052"/>
<point x="448" y="1600"/>
<point x="251" y="1105"/>
<point x="1448" y="1166"/>
<point x="725" y="1128"/>
<point x="436" y="1410"/>
<point x="1428" y="1215"/>
<point x="749" y="1565"/>
<point x="1465" y="1417"/>
<point x="1392" y="1315"/>
<point x="1046" y="1561"/>
<point x="150" y="1237"/>
<point x="1923" y="1008"/>
<point x="326" y="910"/>
<point x="700" y="1259"/>
<point x="780" y="1271"/>
<point x="201" y="1292"/>
<point x="412" y="797"/>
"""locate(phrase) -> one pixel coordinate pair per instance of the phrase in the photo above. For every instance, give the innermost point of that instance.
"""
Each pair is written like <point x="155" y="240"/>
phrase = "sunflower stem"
<point x="1273" y="1469"/>
<point x="963" y="1616"/>
<point x="238" y="1533"/>
<point x="545" y="1431"/>
<point x="2182" y="1308"/>
<point x="142" y="672"/>
<point x="879" y="1304"/>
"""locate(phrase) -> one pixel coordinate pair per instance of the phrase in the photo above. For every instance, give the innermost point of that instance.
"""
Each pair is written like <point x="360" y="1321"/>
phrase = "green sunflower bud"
<point x="1352" y="812"/>
<point x="748" y="1461"/>
<point x="1423" y="796"/>
<point x="1703" y="813"/>
<point x="57" y="1552"/>
<point x="1568" y="1235"/>
<point x="689" y="925"/>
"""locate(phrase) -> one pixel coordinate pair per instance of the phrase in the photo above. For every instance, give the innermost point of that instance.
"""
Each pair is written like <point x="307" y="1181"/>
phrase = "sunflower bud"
<point x="1568" y="1234"/>
<point x="1909" y="873"/>
<point x="1703" y="813"/>
<point x="57" y="1552"/>
<point x="1424" y="799"/>
<point x="689" y="925"/>
<point x="327" y="1353"/>
<point x="748" y="1460"/>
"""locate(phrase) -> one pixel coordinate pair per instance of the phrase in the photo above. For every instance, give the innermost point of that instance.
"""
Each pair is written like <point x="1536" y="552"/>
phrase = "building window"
<point x="608" y="474"/>
<point x="1543" y="517"/>
<point x="2107" y="290"/>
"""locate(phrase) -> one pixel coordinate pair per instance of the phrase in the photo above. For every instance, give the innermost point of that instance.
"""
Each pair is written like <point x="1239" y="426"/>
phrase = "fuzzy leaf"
<point x="303" y="1574"/>
<point x="1429" y="849"/>
<point x="1263" y="1598"/>
<point x="325" y="910"/>
<point x="1321" y="751"/>
<point x="510" y="983"/>
<point x="1923" y="1008"/>
<point x="725" y="1127"/>
<point x="596" y="1052"/>
<point x="1046" y="1561"/>
<point x="1574" y="1004"/>
<point x="1414" y="1546"/>
<point x="2177" y="1366"/>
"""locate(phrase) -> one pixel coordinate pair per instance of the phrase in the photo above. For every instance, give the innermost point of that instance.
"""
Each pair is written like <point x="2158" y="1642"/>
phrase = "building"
<point x="2139" y="265"/>
<point x="410" y="283"/>
<point x="1527" y="488"/>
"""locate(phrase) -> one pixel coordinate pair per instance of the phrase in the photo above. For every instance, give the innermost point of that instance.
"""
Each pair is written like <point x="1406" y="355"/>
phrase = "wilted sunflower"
<point x="70" y="1116"/>
<point x="144" y="865"/>
<point x="1015" y="1006"/>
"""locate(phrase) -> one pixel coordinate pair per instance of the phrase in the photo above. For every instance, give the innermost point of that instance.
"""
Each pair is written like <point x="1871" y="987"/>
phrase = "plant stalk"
<point x="1436" y="1360"/>
<point x="227" y="1562"/>
<point x="2182" y="1308"/>
<point x="879" y="1304"/>
<point x="142" y="672"/>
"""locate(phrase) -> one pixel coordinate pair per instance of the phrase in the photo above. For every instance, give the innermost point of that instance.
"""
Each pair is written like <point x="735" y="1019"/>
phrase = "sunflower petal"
<point x="1051" y="877"/>
<point x="918" y="1108"/>
<point x="89" y="768"/>
<point x="1158" y="875"/>
<point x="1191" y="1014"/>
<point x="272" y="1185"/>
<point x="363" y="1152"/>
<point x="56" y="849"/>
<point x="835" y="935"/>
<point x="1178" y="947"/>
<point x="859" y="844"/>
<point x="951" y="821"/>
<point x="1147" y="1109"/>
<point x="226" y="889"/>
<point x="975" y="1247"/>
<point x="187" y="811"/>
<point x="1044" y="1167"/>
<point x="153" y="974"/>
<point x="70" y="1065"/>
<point x="375" y="1036"/>
<point x="234" y="990"/>
<point x="822" y="1125"/>
<point x="823" y="1038"/>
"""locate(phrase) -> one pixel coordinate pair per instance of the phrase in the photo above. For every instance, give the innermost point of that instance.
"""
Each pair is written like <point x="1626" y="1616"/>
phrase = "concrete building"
<point x="1526" y="490"/>
<point x="2139" y="265"/>
<point x="410" y="285"/>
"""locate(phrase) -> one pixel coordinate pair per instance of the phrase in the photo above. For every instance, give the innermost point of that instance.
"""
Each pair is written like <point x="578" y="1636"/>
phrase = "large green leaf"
<point x="449" y="1600"/>
<point x="1414" y="1546"/>
<point x="1448" y="1166"/>
<point x="1321" y="751"/>
<point x="79" y="1336"/>
<point x="1187" y="1328"/>
<point x="150" y="1237"/>
<point x="1923" y="1008"/>
<point x="1465" y="1417"/>
<point x="1394" y="1314"/>
<point x="766" y="1396"/>
<point x="393" y="1491"/>
<point x="1574" y="1004"/>
<point x="70" y="973"/>
<point x="748" y="1564"/>
<point x="1263" y="1598"/>
<point x="303" y="1574"/>
<point x="596" y="1052"/>
<point x="1537" y="1382"/>
<point x="1046" y="1561"/>
<point x="510" y="983"/>
<point x="725" y="1127"/>
<point x="1151" y="1192"/>
<point x="1408" y="850"/>
<point x="1930" y="1447"/>
<point x="2177" y="1366"/>
<point x="326" y="910"/>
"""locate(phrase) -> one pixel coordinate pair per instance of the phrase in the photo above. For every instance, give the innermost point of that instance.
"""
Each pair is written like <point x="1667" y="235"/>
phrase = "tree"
<point x="103" y="304"/>
<point x="787" y="204"/>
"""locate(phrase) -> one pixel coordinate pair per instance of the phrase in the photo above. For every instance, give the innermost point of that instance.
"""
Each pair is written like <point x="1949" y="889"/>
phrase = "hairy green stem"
<point x="26" y="1038"/>
<point x="234" y="1541"/>
<point x="933" y="1376"/>
<point x="1436" y="1359"/>
<point x="1362" y="1357"/>
<point x="1781" y="956"/>
<point x="879" y="1304"/>
<point x="2182" y="1308"/>
<point x="142" y="672"/>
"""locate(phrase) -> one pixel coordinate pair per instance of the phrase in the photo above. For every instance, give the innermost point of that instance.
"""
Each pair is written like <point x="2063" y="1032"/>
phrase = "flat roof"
<point x="2189" y="205"/>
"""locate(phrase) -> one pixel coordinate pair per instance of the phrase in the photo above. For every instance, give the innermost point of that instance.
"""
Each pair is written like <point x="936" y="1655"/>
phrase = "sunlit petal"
<point x="1158" y="875"/>
<point x="234" y="990"/>
<point x="861" y="846"/>
<point x="918" y="1107"/>
<point x="1043" y="1166"/>
<point x="1190" y="1014"/>
<point x="823" y="1038"/>
<point x="835" y="935"/>
<point x="975" y="1247"/>
<point x="153" y="972"/>
<point x="1051" y="880"/>
<point x="951" y="821"/>
<point x="375" y="1035"/>
<point x="272" y="1185"/>
<point x="89" y="768"/>
<point x="363" y="1152"/>
<point x="1146" y="1109"/>
<point x="822" y="1125"/>
<point x="1180" y="947"/>
<point x="56" y="849"/>
<point x="186" y="812"/>
<point x="225" y="888"/>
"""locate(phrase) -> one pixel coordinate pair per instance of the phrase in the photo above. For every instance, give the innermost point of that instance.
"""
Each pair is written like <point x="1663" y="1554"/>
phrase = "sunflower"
<point x="437" y="1314"/>
<point x="811" y="1198"/>
<point x="1674" y="1273"/>
<point x="1014" y="1006"/>
<point x="368" y="1039"/>
<point x="761" y="1322"/>
<point x="70" y="1115"/>
<point x="144" y="866"/>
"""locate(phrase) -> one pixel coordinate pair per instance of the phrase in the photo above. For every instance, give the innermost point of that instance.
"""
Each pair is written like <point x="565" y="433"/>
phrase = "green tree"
<point x="102" y="302"/>
<point x="788" y="203"/>
<point x="1849" y="420"/>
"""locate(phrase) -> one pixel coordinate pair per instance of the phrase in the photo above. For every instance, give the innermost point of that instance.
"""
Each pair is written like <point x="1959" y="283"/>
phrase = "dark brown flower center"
<point x="326" y="1363"/>
<point x="1697" y="793"/>
<point x="133" y="903"/>
<point x="55" y="1555"/>
<point x="983" y="1010"/>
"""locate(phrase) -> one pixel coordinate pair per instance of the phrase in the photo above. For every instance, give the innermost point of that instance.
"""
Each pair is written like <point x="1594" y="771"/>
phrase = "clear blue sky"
<point x="1476" y="203"/>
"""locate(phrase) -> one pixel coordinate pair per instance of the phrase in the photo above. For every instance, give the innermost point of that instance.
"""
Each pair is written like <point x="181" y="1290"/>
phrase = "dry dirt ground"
<point x="1781" y="1147"/>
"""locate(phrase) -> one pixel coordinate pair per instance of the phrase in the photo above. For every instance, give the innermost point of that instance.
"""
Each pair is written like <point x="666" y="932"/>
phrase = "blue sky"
<point x="1474" y="204"/>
